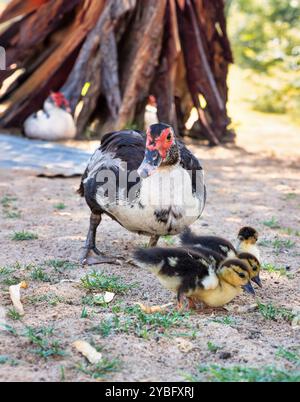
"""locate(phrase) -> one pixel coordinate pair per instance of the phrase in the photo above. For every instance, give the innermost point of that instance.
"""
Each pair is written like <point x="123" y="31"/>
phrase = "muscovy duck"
<point x="217" y="249"/>
<point x="54" y="123"/>
<point x="187" y="273"/>
<point x="150" y="184"/>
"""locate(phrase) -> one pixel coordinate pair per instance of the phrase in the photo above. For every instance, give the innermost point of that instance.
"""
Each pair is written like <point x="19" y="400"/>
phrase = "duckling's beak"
<point x="248" y="288"/>
<point x="150" y="163"/>
<point x="257" y="280"/>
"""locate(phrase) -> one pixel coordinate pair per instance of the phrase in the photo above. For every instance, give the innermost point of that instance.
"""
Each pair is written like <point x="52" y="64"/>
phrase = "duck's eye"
<point x="169" y="137"/>
<point x="241" y="275"/>
<point x="254" y="269"/>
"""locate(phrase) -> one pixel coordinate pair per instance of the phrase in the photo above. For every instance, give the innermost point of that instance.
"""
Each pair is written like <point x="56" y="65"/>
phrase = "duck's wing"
<point x="127" y="146"/>
<point x="183" y="269"/>
<point x="119" y="151"/>
<point x="174" y="261"/>
<point x="190" y="163"/>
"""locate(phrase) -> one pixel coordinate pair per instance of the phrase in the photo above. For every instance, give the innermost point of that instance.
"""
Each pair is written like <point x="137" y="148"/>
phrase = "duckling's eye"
<point x="254" y="269"/>
<point x="241" y="275"/>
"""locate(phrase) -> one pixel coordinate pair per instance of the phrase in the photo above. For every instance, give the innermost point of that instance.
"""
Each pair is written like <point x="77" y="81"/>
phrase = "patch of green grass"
<point x="290" y="196"/>
<point x="271" y="268"/>
<point x="134" y="320"/>
<point x="44" y="342"/>
<point x="272" y="223"/>
<point x="8" y="328"/>
<point x="226" y="320"/>
<point x="13" y="314"/>
<point x="8" y="360"/>
<point x="61" y="265"/>
<point x="62" y="374"/>
<point x="99" y="281"/>
<point x="84" y="313"/>
<point x="24" y="236"/>
<point x="9" y="210"/>
<point x="271" y="312"/>
<point x="51" y="298"/>
<point x="9" y="275"/>
<point x="12" y="214"/>
<point x="7" y="200"/>
<point x="280" y="244"/>
<point x="38" y="274"/>
<point x="212" y="347"/>
<point x="169" y="240"/>
<point x="217" y="373"/>
<point x="291" y="355"/>
<point x="264" y="243"/>
<point x="60" y="206"/>
<point x="101" y="370"/>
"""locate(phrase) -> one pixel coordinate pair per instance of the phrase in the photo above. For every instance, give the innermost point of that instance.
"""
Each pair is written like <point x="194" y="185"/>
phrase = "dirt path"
<point x="243" y="189"/>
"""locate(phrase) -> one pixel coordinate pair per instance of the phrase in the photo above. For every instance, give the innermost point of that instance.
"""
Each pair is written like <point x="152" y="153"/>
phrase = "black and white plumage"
<point x="188" y="273"/>
<point x="218" y="249"/>
<point x="217" y="244"/>
<point x="158" y="188"/>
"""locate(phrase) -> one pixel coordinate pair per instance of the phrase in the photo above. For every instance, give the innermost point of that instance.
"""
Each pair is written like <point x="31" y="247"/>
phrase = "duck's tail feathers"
<point x="151" y="256"/>
<point x="80" y="191"/>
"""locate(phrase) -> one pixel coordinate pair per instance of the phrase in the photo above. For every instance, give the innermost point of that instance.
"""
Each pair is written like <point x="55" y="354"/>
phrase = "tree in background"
<point x="109" y="56"/>
<point x="266" y="38"/>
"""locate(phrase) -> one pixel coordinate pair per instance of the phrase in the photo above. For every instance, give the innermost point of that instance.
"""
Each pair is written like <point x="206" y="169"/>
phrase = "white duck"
<point x="55" y="122"/>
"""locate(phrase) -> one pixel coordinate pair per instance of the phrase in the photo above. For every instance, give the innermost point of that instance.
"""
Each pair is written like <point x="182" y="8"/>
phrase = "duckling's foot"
<point x="192" y="304"/>
<point x="92" y="256"/>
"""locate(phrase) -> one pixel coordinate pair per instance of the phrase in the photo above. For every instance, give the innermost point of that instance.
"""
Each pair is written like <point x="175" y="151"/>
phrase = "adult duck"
<point x="151" y="184"/>
<point x="54" y="122"/>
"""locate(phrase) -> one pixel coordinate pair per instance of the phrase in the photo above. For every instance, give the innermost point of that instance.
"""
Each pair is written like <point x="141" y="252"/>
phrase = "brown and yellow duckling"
<point x="189" y="274"/>
<point x="218" y="249"/>
<point x="247" y="241"/>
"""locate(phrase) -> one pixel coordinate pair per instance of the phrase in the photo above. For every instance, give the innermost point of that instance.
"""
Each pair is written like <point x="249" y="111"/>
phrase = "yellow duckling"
<point x="188" y="273"/>
<point x="218" y="249"/>
<point x="247" y="241"/>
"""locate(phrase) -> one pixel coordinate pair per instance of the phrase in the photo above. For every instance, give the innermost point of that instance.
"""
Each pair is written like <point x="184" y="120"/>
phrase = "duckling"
<point x="188" y="273"/>
<point x="218" y="249"/>
<point x="214" y="243"/>
<point x="249" y="259"/>
<point x="253" y="266"/>
<point x="247" y="241"/>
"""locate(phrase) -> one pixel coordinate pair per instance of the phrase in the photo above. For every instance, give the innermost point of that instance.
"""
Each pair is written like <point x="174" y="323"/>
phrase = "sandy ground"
<point x="243" y="189"/>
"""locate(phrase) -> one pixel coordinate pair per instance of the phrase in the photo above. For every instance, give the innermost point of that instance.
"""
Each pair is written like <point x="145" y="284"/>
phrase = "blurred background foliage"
<point x="265" y="36"/>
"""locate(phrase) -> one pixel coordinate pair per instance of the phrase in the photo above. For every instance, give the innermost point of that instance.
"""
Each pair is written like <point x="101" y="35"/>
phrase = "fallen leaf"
<point x="15" y="295"/>
<point x="102" y="298"/>
<point x="154" y="309"/>
<point x="296" y="322"/>
<point x="184" y="345"/>
<point x="88" y="351"/>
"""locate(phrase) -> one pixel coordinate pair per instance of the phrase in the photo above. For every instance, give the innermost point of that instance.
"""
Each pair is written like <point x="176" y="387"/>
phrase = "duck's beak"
<point x="150" y="163"/>
<point x="248" y="288"/>
<point x="257" y="280"/>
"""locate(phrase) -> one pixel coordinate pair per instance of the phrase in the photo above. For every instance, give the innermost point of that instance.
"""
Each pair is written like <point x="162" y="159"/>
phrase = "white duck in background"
<point x="55" y="122"/>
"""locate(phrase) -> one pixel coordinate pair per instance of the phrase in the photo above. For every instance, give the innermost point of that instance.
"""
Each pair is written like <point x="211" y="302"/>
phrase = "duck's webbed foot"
<point x="153" y="241"/>
<point x="91" y="255"/>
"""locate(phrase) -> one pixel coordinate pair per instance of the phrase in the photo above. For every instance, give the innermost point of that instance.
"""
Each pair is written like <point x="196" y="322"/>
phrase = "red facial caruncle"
<point x="60" y="100"/>
<point x="162" y="144"/>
